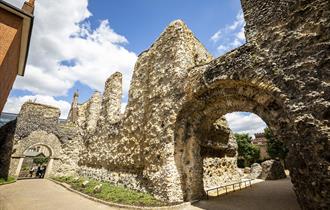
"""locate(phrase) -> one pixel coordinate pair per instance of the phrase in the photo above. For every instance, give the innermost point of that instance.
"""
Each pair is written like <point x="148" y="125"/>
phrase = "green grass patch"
<point x="7" y="181"/>
<point x="110" y="192"/>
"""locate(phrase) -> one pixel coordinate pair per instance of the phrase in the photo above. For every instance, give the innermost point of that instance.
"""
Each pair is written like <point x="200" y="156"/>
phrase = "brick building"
<point x="15" y="33"/>
<point x="261" y="142"/>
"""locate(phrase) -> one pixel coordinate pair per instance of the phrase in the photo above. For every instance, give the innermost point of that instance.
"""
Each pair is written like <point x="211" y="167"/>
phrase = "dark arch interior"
<point x="35" y="163"/>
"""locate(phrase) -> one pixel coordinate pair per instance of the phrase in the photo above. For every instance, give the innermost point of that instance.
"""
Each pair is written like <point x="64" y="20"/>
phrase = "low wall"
<point x="129" y="180"/>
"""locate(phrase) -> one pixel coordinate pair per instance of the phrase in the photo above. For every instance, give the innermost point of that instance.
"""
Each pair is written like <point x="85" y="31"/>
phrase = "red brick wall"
<point x="10" y="37"/>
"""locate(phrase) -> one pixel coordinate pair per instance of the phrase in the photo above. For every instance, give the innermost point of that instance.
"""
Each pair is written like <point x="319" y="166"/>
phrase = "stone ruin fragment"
<point x="172" y="129"/>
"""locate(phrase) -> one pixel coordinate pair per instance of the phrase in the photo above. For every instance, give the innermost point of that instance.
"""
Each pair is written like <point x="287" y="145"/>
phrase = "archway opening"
<point x="202" y="134"/>
<point x="35" y="163"/>
<point x="256" y="141"/>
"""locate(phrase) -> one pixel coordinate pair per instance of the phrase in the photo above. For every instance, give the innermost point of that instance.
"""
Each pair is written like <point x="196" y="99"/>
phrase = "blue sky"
<point x="78" y="44"/>
<point x="142" y="21"/>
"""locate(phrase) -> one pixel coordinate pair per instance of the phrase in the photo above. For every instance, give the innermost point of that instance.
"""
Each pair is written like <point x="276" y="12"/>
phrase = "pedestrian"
<point x="31" y="170"/>
<point x="39" y="171"/>
<point x="35" y="170"/>
<point x="43" y="171"/>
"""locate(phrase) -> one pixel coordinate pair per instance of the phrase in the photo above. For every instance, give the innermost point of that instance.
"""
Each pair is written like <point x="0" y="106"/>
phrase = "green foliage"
<point x="275" y="148"/>
<point x="111" y="192"/>
<point x="10" y="179"/>
<point x="40" y="160"/>
<point x="246" y="150"/>
<point x="240" y="162"/>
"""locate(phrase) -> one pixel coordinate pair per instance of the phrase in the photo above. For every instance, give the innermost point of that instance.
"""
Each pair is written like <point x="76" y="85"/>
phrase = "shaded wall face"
<point x="6" y="146"/>
<point x="10" y="37"/>
<point x="33" y="117"/>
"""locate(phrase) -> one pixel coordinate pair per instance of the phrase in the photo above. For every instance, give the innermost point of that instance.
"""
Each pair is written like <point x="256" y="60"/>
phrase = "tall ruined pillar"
<point x="155" y="99"/>
<point x="112" y="96"/>
<point x="73" y="114"/>
<point x="93" y="111"/>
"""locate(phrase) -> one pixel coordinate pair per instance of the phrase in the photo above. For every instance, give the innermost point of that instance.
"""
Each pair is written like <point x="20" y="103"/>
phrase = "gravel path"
<point x="268" y="195"/>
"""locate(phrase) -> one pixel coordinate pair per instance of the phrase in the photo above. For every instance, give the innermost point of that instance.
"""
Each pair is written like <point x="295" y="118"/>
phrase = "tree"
<point x="40" y="160"/>
<point x="246" y="150"/>
<point x="275" y="147"/>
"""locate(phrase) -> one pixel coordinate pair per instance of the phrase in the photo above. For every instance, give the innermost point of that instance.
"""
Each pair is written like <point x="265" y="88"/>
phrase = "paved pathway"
<point x="268" y="195"/>
<point x="41" y="194"/>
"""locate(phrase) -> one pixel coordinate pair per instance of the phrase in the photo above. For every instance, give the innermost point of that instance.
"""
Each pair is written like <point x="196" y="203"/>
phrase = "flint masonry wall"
<point x="282" y="75"/>
<point x="141" y="144"/>
<point x="169" y="133"/>
<point x="178" y="92"/>
<point x="38" y="124"/>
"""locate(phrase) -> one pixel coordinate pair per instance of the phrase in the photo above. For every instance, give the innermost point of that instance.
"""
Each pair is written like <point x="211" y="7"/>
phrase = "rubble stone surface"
<point x="172" y="129"/>
<point x="272" y="170"/>
<point x="255" y="171"/>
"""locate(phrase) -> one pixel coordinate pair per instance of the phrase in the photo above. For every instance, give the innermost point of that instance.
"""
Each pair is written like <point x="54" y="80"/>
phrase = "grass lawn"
<point x="111" y="193"/>
<point x="9" y="180"/>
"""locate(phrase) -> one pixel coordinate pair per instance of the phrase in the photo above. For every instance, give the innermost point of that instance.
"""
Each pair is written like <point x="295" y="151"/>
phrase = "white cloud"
<point x="14" y="104"/>
<point x="16" y="3"/>
<point x="241" y="35"/>
<point x="216" y="36"/>
<point x="62" y="32"/>
<point x="222" y="48"/>
<point x="232" y="35"/>
<point x="242" y="122"/>
<point x="239" y="22"/>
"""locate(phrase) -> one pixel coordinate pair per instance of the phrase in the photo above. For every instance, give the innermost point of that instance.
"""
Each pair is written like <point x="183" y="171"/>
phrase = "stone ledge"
<point x="68" y="187"/>
<point x="42" y="105"/>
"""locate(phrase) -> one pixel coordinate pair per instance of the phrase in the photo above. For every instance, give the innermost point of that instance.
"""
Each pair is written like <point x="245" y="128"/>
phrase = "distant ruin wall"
<point x="38" y="124"/>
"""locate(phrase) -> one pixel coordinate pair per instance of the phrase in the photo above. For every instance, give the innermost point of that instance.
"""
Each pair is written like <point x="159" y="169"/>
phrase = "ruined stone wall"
<point x="120" y="178"/>
<point x="219" y="153"/>
<point x="219" y="171"/>
<point x="38" y="124"/>
<point x="111" y="101"/>
<point x="170" y="132"/>
<point x="89" y="113"/>
<point x="281" y="74"/>
<point x="142" y="143"/>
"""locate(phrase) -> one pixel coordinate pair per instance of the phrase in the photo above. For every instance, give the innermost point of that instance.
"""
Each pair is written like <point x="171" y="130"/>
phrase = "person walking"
<point x="38" y="171"/>
<point x="31" y="171"/>
<point x="43" y="171"/>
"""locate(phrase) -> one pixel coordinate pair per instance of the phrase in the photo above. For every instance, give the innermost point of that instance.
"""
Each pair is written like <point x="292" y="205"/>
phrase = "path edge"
<point x="66" y="186"/>
<point x="12" y="182"/>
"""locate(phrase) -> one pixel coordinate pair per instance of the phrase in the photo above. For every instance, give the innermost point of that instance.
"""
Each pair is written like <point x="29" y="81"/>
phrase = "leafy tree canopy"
<point x="40" y="160"/>
<point x="275" y="147"/>
<point x="246" y="149"/>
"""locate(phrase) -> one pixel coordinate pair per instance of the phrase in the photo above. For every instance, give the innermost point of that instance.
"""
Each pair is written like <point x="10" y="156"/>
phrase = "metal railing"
<point x="231" y="186"/>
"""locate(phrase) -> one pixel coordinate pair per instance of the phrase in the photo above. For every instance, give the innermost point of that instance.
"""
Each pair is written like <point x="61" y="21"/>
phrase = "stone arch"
<point x="49" y="140"/>
<point x="210" y="103"/>
<point x="39" y="137"/>
<point x="51" y="151"/>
